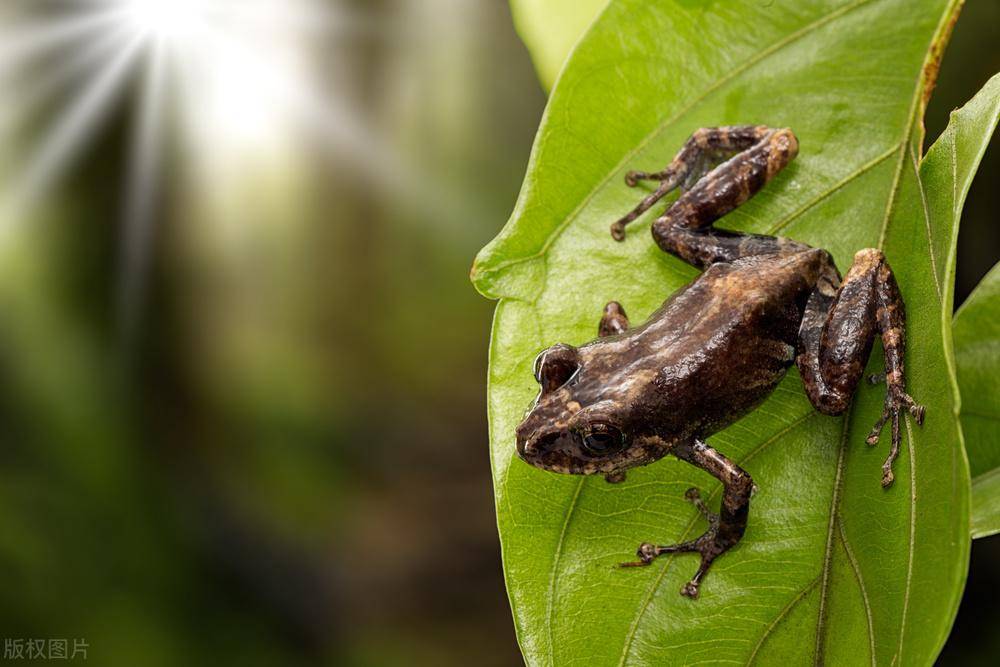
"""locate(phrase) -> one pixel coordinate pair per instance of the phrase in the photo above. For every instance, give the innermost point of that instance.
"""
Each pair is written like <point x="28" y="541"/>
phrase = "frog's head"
<point x="579" y="424"/>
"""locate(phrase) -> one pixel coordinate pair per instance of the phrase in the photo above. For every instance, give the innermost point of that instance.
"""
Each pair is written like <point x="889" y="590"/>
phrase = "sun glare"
<point x="232" y="78"/>
<point x="235" y="80"/>
<point x="168" y="19"/>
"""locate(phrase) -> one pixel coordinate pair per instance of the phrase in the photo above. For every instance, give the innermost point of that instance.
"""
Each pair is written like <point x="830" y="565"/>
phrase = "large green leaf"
<point x="977" y="353"/>
<point x="550" y="28"/>
<point x="832" y="567"/>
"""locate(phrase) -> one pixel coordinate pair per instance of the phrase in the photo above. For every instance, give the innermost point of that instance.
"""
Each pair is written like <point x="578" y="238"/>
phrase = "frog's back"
<point x="726" y="340"/>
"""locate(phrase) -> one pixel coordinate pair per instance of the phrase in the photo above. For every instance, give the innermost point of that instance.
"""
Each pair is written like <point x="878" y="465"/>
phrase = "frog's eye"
<point x="555" y="366"/>
<point x="603" y="439"/>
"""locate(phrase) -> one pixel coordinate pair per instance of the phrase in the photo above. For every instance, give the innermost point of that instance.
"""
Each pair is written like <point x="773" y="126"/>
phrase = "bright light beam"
<point x="72" y="128"/>
<point x="36" y="90"/>
<point x="163" y="20"/>
<point x="32" y="41"/>
<point x="141" y="193"/>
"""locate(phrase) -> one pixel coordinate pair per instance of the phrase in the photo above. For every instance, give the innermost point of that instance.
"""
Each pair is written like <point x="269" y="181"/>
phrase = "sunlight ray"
<point x="70" y="131"/>
<point x="141" y="192"/>
<point x="29" y="40"/>
<point x="34" y="91"/>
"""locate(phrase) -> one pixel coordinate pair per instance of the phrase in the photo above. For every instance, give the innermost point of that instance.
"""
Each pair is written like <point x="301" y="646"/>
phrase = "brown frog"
<point x="718" y="347"/>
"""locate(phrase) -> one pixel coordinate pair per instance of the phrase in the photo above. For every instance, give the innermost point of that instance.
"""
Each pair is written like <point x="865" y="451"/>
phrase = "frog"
<point x="718" y="347"/>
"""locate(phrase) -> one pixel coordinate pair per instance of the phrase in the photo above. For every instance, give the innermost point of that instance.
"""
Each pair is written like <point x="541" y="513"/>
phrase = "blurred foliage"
<point x="271" y="472"/>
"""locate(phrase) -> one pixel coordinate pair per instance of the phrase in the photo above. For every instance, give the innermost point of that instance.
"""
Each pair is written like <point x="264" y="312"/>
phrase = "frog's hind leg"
<point x="724" y="529"/>
<point x="836" y="337"/>
<point x="756" y="154"/>
<point x="700" y="153"/>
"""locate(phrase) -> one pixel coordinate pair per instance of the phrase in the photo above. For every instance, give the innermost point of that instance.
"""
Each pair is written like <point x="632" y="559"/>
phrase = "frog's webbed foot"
<point x="708" y="545"/>
<point x="896" y="401"/>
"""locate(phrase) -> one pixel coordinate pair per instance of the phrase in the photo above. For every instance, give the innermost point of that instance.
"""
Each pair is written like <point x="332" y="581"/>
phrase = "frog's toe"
<point x="646" y="552"/>
<point x="917" y="411"/>
<point x="693" y="496"/>
<point x="896" y="402"/>
<point x="690" y="589"/>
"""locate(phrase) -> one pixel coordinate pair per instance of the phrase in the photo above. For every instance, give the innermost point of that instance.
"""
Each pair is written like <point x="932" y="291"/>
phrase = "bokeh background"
<point x="242" y="369"/>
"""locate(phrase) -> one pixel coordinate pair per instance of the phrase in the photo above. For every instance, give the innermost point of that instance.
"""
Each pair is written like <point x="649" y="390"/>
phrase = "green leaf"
<point x="550" y="29"/>
<point x="832" y="567"/>
<point x="986" y="504"/>
<point x="977" y="354"/>
<point x="947" y="174"/>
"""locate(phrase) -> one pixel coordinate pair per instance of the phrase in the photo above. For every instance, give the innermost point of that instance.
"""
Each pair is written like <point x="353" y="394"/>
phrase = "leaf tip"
<point x="483" y="273"/>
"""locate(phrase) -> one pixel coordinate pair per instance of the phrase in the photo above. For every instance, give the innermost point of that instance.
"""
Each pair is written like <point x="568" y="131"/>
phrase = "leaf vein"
<point x="555" y="567"/>
<point x="857" y="173"/>
<point x="927" y="225"/>
<point x="856" y="568"/>
<point x="913" y="533"/>
<point x="828" y="555"/>
<point x="780" y="617"/>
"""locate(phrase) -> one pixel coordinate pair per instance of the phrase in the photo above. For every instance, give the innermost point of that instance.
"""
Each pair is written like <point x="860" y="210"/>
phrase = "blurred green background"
<point x="276" y="454"/>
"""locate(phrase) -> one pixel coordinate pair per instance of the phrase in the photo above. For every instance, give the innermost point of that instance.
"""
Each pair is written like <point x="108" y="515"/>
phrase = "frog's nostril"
<point x="534" y="447"/>
<point x="524" y="448"/>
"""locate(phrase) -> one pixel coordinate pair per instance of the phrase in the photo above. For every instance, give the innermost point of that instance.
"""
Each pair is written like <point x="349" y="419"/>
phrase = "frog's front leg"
<point x="836" y="337"/>
<point x="724" y="529"/>
<point x="614" y="321"/>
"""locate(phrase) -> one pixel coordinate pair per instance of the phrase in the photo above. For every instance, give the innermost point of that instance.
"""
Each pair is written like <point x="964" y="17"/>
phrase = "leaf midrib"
<point x="828" y="550"/>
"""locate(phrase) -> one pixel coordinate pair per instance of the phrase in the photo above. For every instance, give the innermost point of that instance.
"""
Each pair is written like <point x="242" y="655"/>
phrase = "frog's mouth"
<point x="559" y="451"/>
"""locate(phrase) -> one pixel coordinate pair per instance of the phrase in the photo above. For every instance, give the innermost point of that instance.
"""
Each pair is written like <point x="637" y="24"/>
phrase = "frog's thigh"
<point x="838" y="329"/>
<point x="702" y="247"/>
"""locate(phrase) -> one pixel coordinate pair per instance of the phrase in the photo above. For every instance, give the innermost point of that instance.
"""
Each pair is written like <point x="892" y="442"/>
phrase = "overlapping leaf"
<point x="977" y="353"/>
<point x="829" y="553"/>
<point x="947" y="173"/>
<point x="550" y="28"/>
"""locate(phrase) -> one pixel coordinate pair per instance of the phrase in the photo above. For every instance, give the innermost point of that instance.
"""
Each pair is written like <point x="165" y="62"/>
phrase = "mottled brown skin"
<point x="718" y="347"/>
